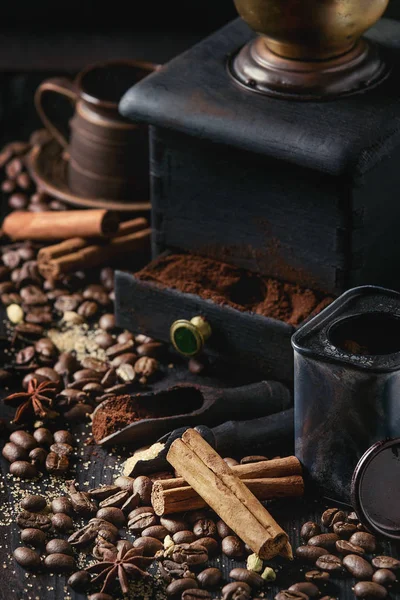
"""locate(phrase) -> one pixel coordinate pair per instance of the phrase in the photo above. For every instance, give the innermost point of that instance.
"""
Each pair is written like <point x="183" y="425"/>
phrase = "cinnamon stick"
<point x="209" y="475"/>
<point x="57" y="225"/>
<point x="95" y="255"/>
<point x="277" y="467"/>
<point x="77" y="243"/>
<point x="181" y="499"/>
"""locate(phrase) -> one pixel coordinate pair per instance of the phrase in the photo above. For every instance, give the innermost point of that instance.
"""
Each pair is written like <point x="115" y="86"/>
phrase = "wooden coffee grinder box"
<point x="297" y="197"/>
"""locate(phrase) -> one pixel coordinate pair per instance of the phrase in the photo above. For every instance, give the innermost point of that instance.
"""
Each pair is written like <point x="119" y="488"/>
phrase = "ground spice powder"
<point x="229" y="285"/>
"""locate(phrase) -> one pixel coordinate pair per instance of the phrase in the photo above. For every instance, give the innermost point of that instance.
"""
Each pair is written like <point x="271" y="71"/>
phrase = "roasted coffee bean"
<point x="6" y="287"/>
<point x="23" y="470"/>
<point x="386" y="562"/>
<point x="37" y="457"/>
<point x="23" y="439"/>
<point x="196" y="594"/>
<point x="104" y="340"/>
<point x="331" y="516"/>
<point x="317" y="576"/>
<point x="209" y="578"/>
<point x="80" y="581"/>
<point x="367" y="541"/>
<point x="27" y="558"/>
<point x="24" y="181"/>
<point x="126" y="373"/>
<point x="32" y="295"/>
<point x="62" y="504"/>
<point x="143" y="487"/>
<point x="14" y="168"/>
<point x="183" y="537"/>
<point x="329" y="562"/>
<point x="12" y="452"/>
<point x="68" y="302"/>
<point x="62" y="449"/>
<point x="78" y="413"/>
<point x="237" y="590"/>
<point x="94" y="363"/>
<point x="250" y="577"/>
<point x="344" y="547"/>
<point x="25" y="356"/>
<point x="113" y="515"/>
<point x="56" y="464"/>
<point x="305" y="587"/>
<point x="204" y="528"/>
<point x="344" y="530"/>
<point x="33" y="537"/>
<point x="149" y="546"/>
<point x="107" y="322"/>
<point x="15" y="313"/>
<point x="177" y="570"/>
<point x="116" y="500"/>
<point x="86" y="374"/>
<point x="94" y="390"/>
<point x="146" y="367"/>
<point x="384" y="577"/>
<point x="369" y="589"/>
<point x="174" y="524"/>
<point x="59" y="563"/>
<point x="310" y="553"/>
<point x="156" y="531"/>
<point x="88" y="309"/>
<point x="67" y="363"/>
<point x="124" y="359"/>
<point x="124" y="482"/>
<point x="141" y="518"/>
<point x="11" y="259"/>
<point x="180" y="585"/>
<point x="81" y="502"/>
<point x="57" y="546"/>
<point x="233" y="547"/>
<point x="28" y="378"/>
<point x="124" y="544"/>
<point x="291" y="595"/>
<point x="43" y="436"/>
<point x="125" y="336"/>
<point x="30" y="520"/>
<point x="210" y="544"/>
<point x="131" y="503"/>
<point x="50" y="374"/>
<point x="88" y="533"/>
<point x="191" y="554"/>
<point x="18" y="201"/>
<point x="151" y="349"/>
<point x="62" y="523"/>
<point x="28" y="330"/>
<point x="309" y="530"/>
<point x="103" y="492"/>
<point x="324" y="540"/>
<point x="223" y="530"/>
<point x="353" y="518"/>
<point x="41" y="316"/>
<point x="33" y="503"/>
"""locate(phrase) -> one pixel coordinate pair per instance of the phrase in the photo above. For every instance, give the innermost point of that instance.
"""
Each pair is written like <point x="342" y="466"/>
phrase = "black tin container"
<point x="347" y="385"/>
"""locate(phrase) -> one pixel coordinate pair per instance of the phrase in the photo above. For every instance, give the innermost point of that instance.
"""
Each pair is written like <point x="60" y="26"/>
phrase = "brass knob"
<point x="189" y="337"/>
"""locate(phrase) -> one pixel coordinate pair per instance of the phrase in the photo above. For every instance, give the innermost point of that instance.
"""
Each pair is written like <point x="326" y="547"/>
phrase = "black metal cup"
<point x="347" y="385"/>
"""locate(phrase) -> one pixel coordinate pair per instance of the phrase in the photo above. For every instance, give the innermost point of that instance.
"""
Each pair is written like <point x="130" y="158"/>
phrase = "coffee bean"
<point x="209" y="578"/>
<point x="94" y="390"/>
<point x="68" y="302"/>
<point x="317" y="576"/>
<point x="88" y="309"/>
<point x="11" y="259"/>
<point x="33" y="537"/>
<point x="310" y="553"/>
<point x="56" y="464"/>
<point x="59" y="563"/>
<point x="365" y="540"/>
<point x="344" y="547"/>
<point x="250" y="577"/>
<point x="62" y="449"/>
<point x="384" y="577"/>
<point x="183" y="537"/>
<point x="24" y="181"/>
<point x="62" y="504"/>
<point x="8" y="186"/>
<point x="190" y="554"/>
<point x="146" y="367"/>
<point x="62" y="523"/>
<point x="196" y="594"/>
<point x="57" y="546"/>
<point x="210" y="544"/>
<point x="80" y="581"/>
<point x="104" y="340"/>
<point x="233" y="547"/>
<point x="78" y="412"/>
<point x="353" y="518"/>
<point x="151" y="349"/>
<point x="369" y="589"/>
<point x="174" y="524"/>
<point x="309" y="530"/>
<point x="107" y="322"/>
<point x="12" y="452"/>
<point x="50" y="374"/>
<point x="344" y="530"/>
<point x="25" y="356"/>
<point x="324" y="540"/>
<point x="141" y="518"/>
<point x="33" y="503"/>
<point x="94" y="363"/>
<point x="30" y="520"/>
<point x="6" y="287"/>
<point x="237" y="590"/>
<point x="149" y="546"/>
<point x="66" y="363"/>
<point x="124" y="359"/>
<point x="180" y="585"/>
<point x="46" y="350"/>
<point x="330" y="516"/>
<point x="103" y="492"/>
<point x="86" y="374"/>
<point x="43" y="436"/>
<point x="18" y="201"/>
<point x="113" y="515"/>
<point x="126" y="373"/>
<point x="116" y="500"/>
<point x="329" y="562"/>
<point x="23" y="439"/>
<point x="290" y="595"/>
<point x="23" y="470"/>
<point x="156" y="531"/>
<point x="305" y="587"/>
<point x="386" y="562"/>
<point x="37" y="457"/>
<point x="143" y="487"/>
<point x="32" y="295"/>
<point x="27" y="558"/>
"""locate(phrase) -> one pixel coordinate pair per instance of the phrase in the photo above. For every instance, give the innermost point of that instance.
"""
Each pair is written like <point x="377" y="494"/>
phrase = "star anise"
<point x="126" y="564"/>
<point x="37" y="399"/>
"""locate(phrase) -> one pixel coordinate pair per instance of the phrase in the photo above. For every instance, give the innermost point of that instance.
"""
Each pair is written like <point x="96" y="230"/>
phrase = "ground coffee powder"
<point x="229" y="285"/>
<point x="114" y="414"/>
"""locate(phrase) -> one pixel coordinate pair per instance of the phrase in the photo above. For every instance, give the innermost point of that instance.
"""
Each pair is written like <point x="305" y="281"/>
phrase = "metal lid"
<point x="375" y="488"/>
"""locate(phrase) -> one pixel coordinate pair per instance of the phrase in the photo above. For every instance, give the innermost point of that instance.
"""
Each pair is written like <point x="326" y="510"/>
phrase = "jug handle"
<point x="58" y="85"/>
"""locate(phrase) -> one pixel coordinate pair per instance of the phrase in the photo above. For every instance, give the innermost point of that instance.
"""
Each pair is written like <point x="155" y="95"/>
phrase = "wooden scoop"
<point x="189" y="405"/>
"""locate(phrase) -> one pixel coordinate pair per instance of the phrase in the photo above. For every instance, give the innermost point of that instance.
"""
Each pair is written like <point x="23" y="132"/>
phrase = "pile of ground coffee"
<point x="229" y="285"/>
<point x="115" y="414"/>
